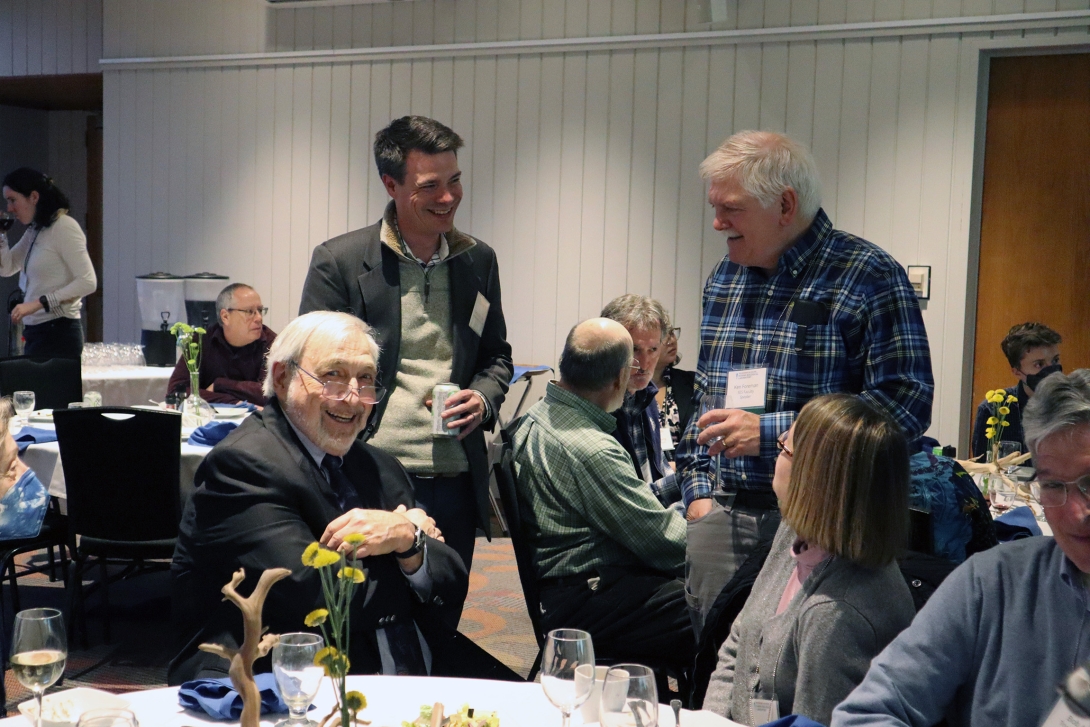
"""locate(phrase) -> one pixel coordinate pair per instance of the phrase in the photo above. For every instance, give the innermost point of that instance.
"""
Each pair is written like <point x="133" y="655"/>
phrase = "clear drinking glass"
<point x="711" y="402"/>
<point x="629" y="697"/>
<point x="564" y="684"/>
<point x="1006" y="449"/>
<point x="107" y="718"/>
<point x="296" y="674"/>
<point x="38" y="650"/>
<point x="23" y="401"/>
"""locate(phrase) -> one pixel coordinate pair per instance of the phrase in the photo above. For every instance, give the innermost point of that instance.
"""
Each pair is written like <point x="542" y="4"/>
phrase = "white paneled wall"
<point x="580" y="167"/>
<point x="46" y="37"/>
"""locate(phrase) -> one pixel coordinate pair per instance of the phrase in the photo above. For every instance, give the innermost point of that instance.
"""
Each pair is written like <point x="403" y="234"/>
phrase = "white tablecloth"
<point x="127" y="385"/>
<point x="393" y="699"/>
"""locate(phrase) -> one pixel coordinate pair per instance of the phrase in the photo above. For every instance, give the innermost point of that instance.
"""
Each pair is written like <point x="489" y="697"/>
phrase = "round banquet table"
<point x="127" y="385"/>
<point x="391" y="700"/>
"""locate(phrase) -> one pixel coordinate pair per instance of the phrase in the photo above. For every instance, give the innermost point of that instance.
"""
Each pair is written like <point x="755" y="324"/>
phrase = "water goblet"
<point x="711" y="402"/>
<point x="296" y="674"/>
<point x="564" y="683"/>
<point x="23" y="401"/>
<point x="629" y="697"/>
<point x="108" y="718"/>
<point x="38" y="651"/>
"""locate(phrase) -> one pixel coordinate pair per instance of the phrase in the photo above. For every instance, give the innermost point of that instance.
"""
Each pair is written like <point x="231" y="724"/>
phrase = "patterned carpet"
<point x="141" y="645"/>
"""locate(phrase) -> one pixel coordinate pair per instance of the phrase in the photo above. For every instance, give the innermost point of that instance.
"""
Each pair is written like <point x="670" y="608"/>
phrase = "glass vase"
<point x="196" y="412"/>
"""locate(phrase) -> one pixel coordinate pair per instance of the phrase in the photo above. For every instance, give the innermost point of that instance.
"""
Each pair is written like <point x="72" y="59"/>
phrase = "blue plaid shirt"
<point x="873" y="344"/>
<point x="639" y="415"/>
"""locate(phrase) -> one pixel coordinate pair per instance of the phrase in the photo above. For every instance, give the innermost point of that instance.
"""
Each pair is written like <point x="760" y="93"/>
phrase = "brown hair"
<point x="849" y="480"/>
<point x="1025" y="336"/>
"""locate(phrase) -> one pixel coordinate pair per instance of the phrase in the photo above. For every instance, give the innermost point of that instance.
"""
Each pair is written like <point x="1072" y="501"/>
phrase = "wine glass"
<point x="23" y="401"/>
<point x="107" y="718"/>
<point x="564" y="684"/>
<point x="629" y="697"/>
<point x="296" y="674"/>
<point x="710" y="402"/>
<point x="38" y="650"/>
<point x="7" y="219"/>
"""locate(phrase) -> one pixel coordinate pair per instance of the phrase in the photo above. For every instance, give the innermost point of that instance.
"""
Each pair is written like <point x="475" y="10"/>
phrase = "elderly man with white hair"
<point x="1001" y="632"/>
<point x="296" y="473"/>
<point x="795" y="309"/>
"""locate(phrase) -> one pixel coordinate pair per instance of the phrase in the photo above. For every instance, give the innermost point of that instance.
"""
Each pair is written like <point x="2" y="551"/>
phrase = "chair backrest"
<point x="121" y="472"/>
<point x="507" y="483"/>
<point x="56" y="382"/>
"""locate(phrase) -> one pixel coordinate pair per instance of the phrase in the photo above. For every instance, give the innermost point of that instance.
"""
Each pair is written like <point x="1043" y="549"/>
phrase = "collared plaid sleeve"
<point x="897" y="366"/>
<point x="667" y="489"/>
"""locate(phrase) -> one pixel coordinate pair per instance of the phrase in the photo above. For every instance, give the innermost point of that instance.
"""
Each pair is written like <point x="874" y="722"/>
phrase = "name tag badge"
<point x="746" y="390"/>
<point x="480" y="314"/>
<point x="763" y="711"/>
<point x="665" y="440"/>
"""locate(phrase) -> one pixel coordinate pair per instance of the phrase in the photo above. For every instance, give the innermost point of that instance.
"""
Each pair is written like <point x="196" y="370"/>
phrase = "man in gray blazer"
<point x="432" y="297"/>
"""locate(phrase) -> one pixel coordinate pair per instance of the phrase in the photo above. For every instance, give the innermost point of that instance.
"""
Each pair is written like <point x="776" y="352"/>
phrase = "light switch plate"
<point x="919" y="276"/>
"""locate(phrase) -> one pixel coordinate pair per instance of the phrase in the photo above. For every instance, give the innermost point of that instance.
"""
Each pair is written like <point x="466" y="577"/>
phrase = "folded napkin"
<point x="211" y="433"/>
<point x="1017" y="524"/>
<point x="34" y="435"/>
<point x="219" y="700"/>
<point x="241" y="405"/>
<point x="793" y="720"/>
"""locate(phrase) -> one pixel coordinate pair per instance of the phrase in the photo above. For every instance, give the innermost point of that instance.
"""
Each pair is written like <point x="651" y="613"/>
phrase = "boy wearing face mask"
<point x="1033" y="351"/>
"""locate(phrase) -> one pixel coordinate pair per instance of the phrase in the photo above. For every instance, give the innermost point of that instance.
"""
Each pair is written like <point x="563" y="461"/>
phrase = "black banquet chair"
<point x="122" y="484"/>
<point x="56" y="382"/>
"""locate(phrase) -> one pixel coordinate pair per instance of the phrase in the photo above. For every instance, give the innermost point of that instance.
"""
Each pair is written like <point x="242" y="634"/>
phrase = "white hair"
<point x="291" y="343"/>
<point x="766" y="164"/>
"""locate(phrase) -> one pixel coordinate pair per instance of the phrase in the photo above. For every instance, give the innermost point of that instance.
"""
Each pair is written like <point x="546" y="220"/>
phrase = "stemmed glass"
<point x="23" y="401"/>
<point x="7" y="219"/>
<point x="107" y="718"/>
<point x="38" y="650"/>
<point x="296" y="674"/>
<point x="710" y="402"/>
<point x="629" y="697"/>
<point x="565" y="685"/>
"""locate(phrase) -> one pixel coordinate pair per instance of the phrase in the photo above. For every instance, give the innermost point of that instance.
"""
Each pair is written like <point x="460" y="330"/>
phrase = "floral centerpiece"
<point x="195" y="410"/>
<point x="341" y="575"/>
<point x="994" y="471"/>
<point x="999" y="402"/>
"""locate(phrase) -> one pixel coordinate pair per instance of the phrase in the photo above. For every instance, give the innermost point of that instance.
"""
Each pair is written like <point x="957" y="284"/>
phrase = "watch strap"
<point x="417" y="546"/>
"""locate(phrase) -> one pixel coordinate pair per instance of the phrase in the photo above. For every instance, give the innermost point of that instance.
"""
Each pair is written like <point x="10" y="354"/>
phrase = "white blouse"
<point x="58" y="268"/>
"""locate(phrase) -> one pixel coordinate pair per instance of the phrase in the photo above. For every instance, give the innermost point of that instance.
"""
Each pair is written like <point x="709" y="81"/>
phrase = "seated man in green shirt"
<point x="608" y="555"/>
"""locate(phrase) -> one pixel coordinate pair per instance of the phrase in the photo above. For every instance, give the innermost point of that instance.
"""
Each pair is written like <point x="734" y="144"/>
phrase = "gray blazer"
<point x="812" y="655"/>
<point x="356" y="273"/>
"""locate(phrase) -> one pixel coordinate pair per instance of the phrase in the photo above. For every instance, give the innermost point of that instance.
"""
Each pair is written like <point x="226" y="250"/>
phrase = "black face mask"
<point x="1034" y="380"/>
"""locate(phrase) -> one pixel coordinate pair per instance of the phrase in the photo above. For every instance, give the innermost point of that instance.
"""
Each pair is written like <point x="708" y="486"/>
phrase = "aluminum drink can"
<point x="439" y="396"/>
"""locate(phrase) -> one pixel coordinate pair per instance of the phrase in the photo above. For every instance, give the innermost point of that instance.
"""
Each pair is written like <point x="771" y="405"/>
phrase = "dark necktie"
<point x="347" y="495"/>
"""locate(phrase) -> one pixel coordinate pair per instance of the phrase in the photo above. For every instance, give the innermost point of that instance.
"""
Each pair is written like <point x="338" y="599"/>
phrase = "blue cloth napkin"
<point x="211" y="433"/>
<point x="1017" y="524"/>
<point x="34" y="435"/>
<point x="219" y="700"/>
<point x="241" y="405"/>
<point x="793" y="720"/>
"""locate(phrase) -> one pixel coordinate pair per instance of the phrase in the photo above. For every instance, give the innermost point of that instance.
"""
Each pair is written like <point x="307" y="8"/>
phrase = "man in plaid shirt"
<point x="818" y="309"/>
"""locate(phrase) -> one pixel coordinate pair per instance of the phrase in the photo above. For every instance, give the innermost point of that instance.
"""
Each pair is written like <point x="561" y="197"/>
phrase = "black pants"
<point x="452" y="503"/>
<point x="632" y="616"/>
<point x="58" y="338"/>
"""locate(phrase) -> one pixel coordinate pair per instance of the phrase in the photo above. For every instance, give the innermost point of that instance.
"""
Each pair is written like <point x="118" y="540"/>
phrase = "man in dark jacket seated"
<point x="232" y="364"/>
<point x="295" y="473"/>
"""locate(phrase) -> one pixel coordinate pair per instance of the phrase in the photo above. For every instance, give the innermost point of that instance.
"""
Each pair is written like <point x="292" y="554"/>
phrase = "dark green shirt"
<point x="580" y="500"/>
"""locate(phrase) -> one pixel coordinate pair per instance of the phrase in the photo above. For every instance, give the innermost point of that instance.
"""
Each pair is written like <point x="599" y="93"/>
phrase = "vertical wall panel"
<point x="664" y="242"/>
<point x="591" y="231"/>
<point x="569" y="240"/>
<point x="619" y="159"/>
<point x="547" y="147"/>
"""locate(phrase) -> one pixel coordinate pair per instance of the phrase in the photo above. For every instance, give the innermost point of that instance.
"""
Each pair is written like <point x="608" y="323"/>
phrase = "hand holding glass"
<point x="296" y="674"/>
<point x="564" y="684"/>
<point x="711" y="402"/>
<point x="38" y="650"/>
<point x="629" y="697"/>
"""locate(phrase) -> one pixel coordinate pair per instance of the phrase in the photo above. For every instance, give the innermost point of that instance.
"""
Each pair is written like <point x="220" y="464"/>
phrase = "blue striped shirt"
<point x="873" y="343"/>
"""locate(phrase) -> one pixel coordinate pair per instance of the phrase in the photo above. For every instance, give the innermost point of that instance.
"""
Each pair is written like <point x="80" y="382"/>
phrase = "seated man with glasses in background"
<point x="232" y="364"/>
<point x="296" y="473"/>
<point x="1002" y="631"/>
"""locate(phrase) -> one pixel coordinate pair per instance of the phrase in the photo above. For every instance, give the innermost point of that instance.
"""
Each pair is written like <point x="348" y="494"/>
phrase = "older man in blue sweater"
<point x="1001" y="632"/>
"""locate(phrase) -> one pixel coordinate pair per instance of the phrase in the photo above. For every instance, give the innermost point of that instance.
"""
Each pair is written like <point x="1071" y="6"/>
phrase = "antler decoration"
<point x="997" y="468"/>
<point x="255" y="644"/>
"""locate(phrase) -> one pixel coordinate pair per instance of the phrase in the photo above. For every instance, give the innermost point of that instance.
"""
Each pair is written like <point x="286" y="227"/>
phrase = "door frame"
<point x="996" y="48"/>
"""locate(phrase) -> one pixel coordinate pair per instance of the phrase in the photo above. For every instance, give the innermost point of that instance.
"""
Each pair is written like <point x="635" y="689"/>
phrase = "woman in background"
<point x="830" y="596"/>
<point x="675" y="393"/>
<point x="56" y="271"/>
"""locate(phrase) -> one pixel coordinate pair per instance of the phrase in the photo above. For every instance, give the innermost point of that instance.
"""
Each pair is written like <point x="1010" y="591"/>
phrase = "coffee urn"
<point x="162" y="304"/>
<point x="201" y="291"/>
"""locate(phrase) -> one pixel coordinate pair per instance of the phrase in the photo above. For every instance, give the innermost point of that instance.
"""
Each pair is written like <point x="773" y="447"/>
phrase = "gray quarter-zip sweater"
<point x="812" y="655"/>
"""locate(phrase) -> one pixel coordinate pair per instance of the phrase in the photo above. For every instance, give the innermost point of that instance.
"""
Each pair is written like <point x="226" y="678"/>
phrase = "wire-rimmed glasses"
<point x="1054" y="494"/>
<point x="339" y="391"/>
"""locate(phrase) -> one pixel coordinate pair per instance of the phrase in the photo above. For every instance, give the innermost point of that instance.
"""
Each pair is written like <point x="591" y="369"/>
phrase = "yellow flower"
<point x="355" y="539"/>
<point x="993" y="420"/>
<point x="989" y="433"/>
<point x="355" y="574"/>
<point x="355" y="701"/>
<point x="325" y="557"/>
<point x="316" y="617"/>
<point x="997" y="399"/>
<point x="310" y="553"/>
<point x="1011" y="399"/>
<point x="334" y="662"/>
<point x="1005" y="424"/>
<point x="324" y="655"/>
<point x="1004" y="410"/>
<point x="990" y="394"/>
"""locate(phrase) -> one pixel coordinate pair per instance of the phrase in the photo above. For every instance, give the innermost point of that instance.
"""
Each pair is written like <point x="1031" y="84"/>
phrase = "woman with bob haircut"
<point x="56" y="271"/>
<point x="830" y="596"/>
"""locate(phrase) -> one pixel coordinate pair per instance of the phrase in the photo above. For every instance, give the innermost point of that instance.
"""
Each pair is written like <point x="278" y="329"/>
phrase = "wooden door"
<point x="1035" y="226"/>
